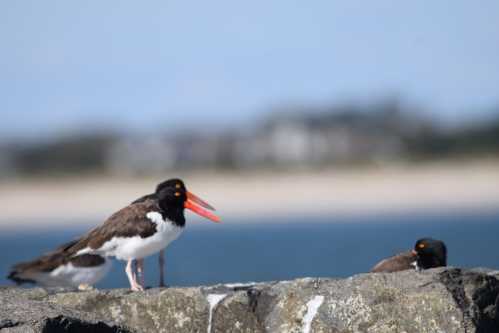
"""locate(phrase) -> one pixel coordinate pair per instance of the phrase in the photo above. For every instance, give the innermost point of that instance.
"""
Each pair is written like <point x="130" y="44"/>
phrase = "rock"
<point x="29" y="311"/>
<point x="437" y="300"/>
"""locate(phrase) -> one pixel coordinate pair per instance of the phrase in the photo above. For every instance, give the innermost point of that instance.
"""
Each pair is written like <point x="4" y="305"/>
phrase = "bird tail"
<point x="16" y="276"/>
<point x="24" y="272"/>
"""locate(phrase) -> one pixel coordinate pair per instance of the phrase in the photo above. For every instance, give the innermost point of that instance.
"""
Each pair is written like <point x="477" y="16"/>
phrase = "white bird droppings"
<point x="213" y="299"/>
<point x="312" y="308"/>
<point x="240" y="284"/>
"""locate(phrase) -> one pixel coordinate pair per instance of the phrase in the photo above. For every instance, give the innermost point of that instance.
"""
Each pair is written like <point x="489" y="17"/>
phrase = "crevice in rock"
<point x="6" y="323"/>
<point x="452" y="279"/>
<point x="486" y="301"/>
<point x="482" y="311"/>
<point x="260" y="303"/>
<point x="63" y="324"/>
<point x="253" y="295"/>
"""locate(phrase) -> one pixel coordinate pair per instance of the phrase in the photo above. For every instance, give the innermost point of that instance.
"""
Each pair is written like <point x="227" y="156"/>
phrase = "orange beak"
<point x="196" y="204"/>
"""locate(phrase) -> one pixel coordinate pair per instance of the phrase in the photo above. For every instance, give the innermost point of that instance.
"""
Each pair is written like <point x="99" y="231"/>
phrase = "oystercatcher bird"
<point x="144" y="227"/>
<point x="61" y="268"/>
<point x="427" y="253"/>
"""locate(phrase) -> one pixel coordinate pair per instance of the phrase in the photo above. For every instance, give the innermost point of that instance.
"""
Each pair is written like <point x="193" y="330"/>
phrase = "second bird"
<point x="427" y="253"/>
<point x="144" y="227"/>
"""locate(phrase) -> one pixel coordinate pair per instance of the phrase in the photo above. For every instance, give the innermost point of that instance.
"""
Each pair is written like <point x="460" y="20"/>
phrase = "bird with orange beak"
<point x="146" y="226"/>
<point x="427" y="253"/>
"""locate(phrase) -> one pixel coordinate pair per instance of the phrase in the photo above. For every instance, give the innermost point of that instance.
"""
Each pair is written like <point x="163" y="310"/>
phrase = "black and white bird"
<point x="144" y="227"/>
<point x="427" y="253"/>
<point x="61" y="268"/>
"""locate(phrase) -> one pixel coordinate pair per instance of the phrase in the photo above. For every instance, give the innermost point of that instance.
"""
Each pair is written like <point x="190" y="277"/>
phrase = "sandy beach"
<point x="445" y="187"/>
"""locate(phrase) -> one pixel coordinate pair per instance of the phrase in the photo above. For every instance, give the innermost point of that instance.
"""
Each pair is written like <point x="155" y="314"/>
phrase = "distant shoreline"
<point x="455" y="186"/>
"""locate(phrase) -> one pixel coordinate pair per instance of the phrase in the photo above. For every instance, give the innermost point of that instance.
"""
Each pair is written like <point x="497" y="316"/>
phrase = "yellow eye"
<point x="178" y="186"/>
<point x="421" y="246"/>
<point x="177" y="194"/>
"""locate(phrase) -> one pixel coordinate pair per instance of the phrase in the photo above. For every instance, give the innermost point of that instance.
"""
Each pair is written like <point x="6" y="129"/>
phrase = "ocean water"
<point x="261" y="250"/>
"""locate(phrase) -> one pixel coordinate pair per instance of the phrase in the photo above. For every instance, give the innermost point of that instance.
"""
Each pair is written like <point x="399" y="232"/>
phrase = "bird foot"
<point x="85" y="287"/>
<point x="137" y="287"/>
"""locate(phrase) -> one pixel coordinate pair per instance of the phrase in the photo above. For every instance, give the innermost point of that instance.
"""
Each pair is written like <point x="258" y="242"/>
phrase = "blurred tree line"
<point x="475" y="139"/>
<point x="288" y="137"/>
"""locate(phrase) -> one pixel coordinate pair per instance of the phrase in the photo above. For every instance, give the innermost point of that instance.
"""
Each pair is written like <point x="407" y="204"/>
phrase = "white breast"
<point x="135" y="247"/>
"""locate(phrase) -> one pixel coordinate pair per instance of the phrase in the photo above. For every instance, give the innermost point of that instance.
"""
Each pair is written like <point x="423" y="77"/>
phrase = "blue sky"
<point x="155" y="65"/>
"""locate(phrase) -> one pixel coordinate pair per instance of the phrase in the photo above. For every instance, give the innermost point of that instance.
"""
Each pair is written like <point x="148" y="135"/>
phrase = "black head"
<point x="173" y="198"/>
<point x="431" y="253"/>
<point x="172" y="193"/>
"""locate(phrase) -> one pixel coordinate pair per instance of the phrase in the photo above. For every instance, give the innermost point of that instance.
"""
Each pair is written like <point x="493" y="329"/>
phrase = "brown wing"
<point x="127" y="222"/>
<point x="400" y="262"/>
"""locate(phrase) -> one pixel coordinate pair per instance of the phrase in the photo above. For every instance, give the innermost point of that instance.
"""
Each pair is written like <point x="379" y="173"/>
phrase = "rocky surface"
<point x="438" y="300"/>
<point x="29" y="311"/>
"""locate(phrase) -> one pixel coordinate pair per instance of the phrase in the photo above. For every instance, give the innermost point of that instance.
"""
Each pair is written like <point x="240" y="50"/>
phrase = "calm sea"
<point x="263" y="250"/>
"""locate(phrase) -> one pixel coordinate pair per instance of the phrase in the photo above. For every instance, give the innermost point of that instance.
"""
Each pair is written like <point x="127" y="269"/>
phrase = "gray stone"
<point x="437" y="300"/>
<point x="30" y="311"/>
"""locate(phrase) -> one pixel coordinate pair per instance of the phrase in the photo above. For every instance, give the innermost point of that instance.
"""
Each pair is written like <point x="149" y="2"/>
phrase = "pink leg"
<point x="132" y="278"/>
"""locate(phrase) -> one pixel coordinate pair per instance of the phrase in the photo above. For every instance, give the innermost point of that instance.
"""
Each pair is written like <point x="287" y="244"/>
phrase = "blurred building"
<point x="140" y="156"/>
<point x="294" y="138"/>
<point x="331" y="137"/>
